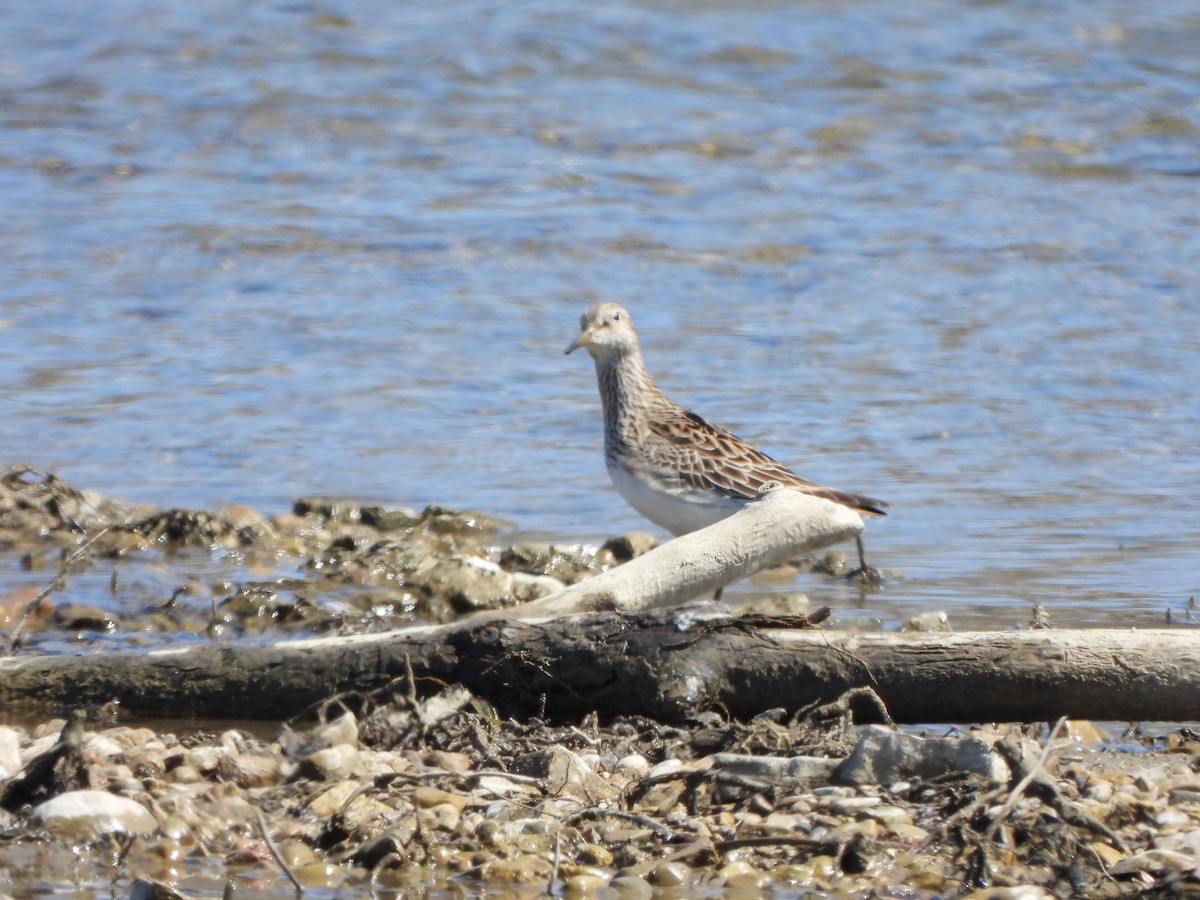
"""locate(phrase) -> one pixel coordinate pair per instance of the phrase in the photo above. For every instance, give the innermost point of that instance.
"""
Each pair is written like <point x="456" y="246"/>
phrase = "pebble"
<point x="631" y="887"/>
<point x="669" y="874"/>
<point x="331" y="764"/>
<point x="1184" y="793"/>
<point x="10" y="752"/>
<point x="89" y="814"/>
<point x="584" y="885"/>
<point x="594" y="855"/>
<point x="249" y="770"/>
<point x="633" y="766"/>
<point x="849" y="805"/>
<point x="427" y="796"/>
<point x="913" y="834"/>
<point x="665" y="769"/>
<point x="890" y="815"/>
<point x="184" y="774"/>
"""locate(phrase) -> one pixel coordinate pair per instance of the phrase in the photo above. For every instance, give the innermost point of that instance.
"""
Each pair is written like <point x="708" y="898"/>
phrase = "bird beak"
<point x="583" y="340"/>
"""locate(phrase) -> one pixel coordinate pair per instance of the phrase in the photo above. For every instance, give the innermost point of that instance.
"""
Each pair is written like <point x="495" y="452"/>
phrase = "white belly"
<point x="677" y="512"/>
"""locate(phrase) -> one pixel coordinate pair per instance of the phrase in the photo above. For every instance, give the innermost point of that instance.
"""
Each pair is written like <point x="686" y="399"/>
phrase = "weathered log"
<point x="666" y="664"/>
<point x="780" y="525"/>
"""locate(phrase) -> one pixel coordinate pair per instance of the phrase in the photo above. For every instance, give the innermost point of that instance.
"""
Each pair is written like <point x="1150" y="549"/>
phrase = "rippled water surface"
<point x="942" y="253"/>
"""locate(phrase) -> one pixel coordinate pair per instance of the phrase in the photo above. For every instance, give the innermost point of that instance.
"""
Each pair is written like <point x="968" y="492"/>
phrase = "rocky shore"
<point x="421" y="787"/>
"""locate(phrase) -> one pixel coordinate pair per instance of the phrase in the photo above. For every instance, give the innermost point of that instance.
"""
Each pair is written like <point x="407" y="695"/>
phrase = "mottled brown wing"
<point x="706" y="456"/>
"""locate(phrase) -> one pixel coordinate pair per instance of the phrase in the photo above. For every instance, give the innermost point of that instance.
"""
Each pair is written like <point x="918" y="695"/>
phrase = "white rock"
<point x="882" y="756"/>
<point x="775" y="767"/>
<point x="101" y="746"/>
<point x="10" y="752"/>
<point x="633" y="766"/>
<point x="91" y="814"/>
<point x="665" y="768"/>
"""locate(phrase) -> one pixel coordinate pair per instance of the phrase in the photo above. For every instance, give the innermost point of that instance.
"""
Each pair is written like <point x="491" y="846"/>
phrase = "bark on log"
<point x="666" y="665"/>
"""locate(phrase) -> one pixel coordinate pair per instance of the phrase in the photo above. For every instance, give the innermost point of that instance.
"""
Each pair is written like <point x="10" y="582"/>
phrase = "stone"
<point x="427" y="796"/>
<point x="250" y="770"/>
<point x="775" y="767"/>
<point x="1185" y="793"/>
<point x="10" y="752"/>
<point x="332" y="763"/>
<point x="849" y="806"/>
<point x="883" y="756"/>
<point x="633" y="766"/>
<point x="669" y="874"/>
<point x="342" y="730"/>
<point x="87" y="815"/>
<point x="1183" y="841"/>
<point x="564" y="773"/>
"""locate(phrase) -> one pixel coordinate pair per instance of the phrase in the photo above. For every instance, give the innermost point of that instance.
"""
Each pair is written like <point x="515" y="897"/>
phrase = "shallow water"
<point x="941" y="253"/>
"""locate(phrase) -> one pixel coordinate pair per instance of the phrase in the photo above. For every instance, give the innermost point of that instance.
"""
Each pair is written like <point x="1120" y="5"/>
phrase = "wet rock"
<point x="930" y="622"/>
<point x="632" y="887"/>
<point x="471" y="583"/>
<point x="628" y="546"/>
<point x="348" y="511"/>
<point x="80" y="617"/>
<point x="89" y="814"/>
<point x="835" y="564"/>
<point x="148" y="889"/>
<point x="669" y="875"/>
<point x="36" y="502"/>
<point x="883" y="756"/>
<point x="472" y="523"/>
<point x="584" y="884"/>
<point x="196" y="528"/>
<point x="566" y="564"/>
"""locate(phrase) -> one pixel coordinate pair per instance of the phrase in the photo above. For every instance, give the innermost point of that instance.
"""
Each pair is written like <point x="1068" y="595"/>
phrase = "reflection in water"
<point x="943" y="254"/>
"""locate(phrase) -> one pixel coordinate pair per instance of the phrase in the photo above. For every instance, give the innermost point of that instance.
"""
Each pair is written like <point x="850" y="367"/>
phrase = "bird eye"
<point x="616" y="317"/>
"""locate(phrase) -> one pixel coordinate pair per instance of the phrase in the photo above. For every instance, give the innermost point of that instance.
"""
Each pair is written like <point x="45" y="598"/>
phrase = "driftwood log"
<point x="780" y="525"/>
<point x="595" y="646"/>
<point x="666" y="665"/>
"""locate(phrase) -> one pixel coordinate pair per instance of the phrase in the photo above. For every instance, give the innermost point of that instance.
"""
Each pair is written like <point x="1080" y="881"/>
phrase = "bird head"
<point x="605" y="330"/>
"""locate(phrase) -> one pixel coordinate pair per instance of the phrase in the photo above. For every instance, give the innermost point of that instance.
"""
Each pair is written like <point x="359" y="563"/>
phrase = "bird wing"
<point x="707" y="457"/>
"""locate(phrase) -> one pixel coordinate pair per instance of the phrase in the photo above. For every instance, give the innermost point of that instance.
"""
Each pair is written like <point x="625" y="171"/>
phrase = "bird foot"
<point x="867" y="576"/>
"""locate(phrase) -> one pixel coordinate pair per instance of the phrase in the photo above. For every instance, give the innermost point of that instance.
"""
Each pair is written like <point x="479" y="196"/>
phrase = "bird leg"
<point x="867" y="576"/>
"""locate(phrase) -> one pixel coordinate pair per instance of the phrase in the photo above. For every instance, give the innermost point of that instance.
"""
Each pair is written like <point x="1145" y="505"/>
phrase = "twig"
<point x="1019" y="789"/>
<point x="71" y="562"/>
<point x="780" y="841"/>
<point x="266" y="836"/>
<point x="595" y="813"/>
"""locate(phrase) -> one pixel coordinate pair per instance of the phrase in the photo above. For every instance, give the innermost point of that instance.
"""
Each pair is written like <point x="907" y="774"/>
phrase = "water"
<point x="941" y="253"/>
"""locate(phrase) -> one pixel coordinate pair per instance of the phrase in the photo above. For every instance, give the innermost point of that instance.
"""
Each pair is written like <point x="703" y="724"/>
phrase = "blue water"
<point x="940" y="253"/>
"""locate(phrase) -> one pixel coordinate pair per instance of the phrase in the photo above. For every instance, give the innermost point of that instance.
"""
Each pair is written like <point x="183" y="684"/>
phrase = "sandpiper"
<point x="672" y="466"/>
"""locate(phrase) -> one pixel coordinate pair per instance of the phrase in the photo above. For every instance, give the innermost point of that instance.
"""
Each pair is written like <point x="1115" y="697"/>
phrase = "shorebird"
<point x="679" y="471"/>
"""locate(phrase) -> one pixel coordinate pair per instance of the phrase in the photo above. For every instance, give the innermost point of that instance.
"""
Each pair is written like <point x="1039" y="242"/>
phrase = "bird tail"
<point x="856" y="502"/>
